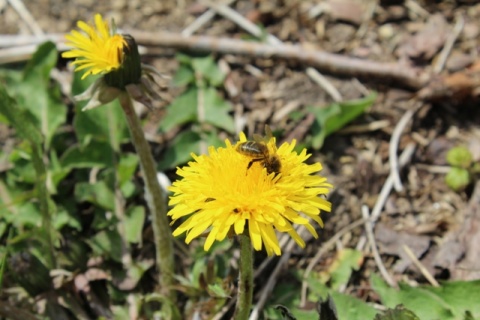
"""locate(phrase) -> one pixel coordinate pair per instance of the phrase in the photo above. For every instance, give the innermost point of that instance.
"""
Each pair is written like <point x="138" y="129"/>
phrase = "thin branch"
<point x="201" y="21"/>
<point x="373" y="246"/>
<point x="393" y="147"/>
<point x="237" y="18"/>
<point x="328" y="62"/>
<point x="387" y="187"/>
<point x="420" y="266"/>
<point x="447" y="48"/>
<point x="26" y="16"/>
<point x="247" y="25"/>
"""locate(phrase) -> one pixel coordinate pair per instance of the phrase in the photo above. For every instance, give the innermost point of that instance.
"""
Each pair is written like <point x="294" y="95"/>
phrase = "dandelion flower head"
<point x="219" y="194"/>
<point x="98" y="49"/>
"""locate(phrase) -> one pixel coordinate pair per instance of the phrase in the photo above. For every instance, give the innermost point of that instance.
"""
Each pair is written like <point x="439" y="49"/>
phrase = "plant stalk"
<point x="245" y="283"/>
<point x="156" y="200"/>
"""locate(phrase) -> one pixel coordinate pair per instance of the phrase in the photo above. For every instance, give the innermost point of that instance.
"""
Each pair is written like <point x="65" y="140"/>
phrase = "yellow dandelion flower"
<point x="224" y="192"/>
<point x="97" y="49"/>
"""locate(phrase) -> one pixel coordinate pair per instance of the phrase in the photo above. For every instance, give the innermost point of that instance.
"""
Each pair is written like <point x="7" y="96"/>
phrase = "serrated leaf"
<point x="217" y="110"/>
<point x="180" y="152"/>
<point x="184" y="76"/>
<point x="207" y="68"/>
<point x="98" y="193"/>
<point x="107" y="243"/>
<point x="127" y="166"/>
<point x="450" y="301"/>
<point x="105" y="123"/>
<point x="92" y="154"/>
<point x="182" y="110"/>
<point x="21" y="119"/>
<point x="457" y="178"/>
<point x="135" y="218"/>
<point x="348" y="307"/>
<point x="41" y="96"/>
<point x="399" y="313"/>
<point x="341" y="268"/>
<point x="335" y="116"/>
<point x="183" y="58"/>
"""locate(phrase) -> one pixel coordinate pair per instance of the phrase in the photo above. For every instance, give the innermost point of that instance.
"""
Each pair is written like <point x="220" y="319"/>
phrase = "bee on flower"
<point x="235" y="189"/>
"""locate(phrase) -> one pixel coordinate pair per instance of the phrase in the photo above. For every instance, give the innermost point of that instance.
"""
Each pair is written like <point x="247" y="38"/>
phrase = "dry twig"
<point x="26" y="16"/>
<point x="393" y="147"/>
<point x="329" y="62"/>
<point x="387" y="187"/>
<point x="373" y="247"/>
<point x="420" y="266"/>
<point x="447" y="48"/>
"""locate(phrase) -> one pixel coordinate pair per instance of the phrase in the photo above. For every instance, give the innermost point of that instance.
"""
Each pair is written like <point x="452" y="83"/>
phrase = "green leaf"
<point x="28" y="215"/>
<point x="184" y="76"/>
<point x="340" y="269"/>
<point x="92" y="153"/>
<point x="64" y="218"/>
<point x="98" y="193"/>
<point x="180" y="152"/>
<point x="335" y="116"/>
<point x="135" y="218"/>
<point x="21" y="119"/>
<point x="107" y="243"/>
<point x="457" y="178"/>
<point x="106" y="123"/>
<point x="38" y="94"/>
<point x="217" y="109"/>
<point x="459" y="157"/>
<point x="182" y="110"/>
<point x="184" y="59"/>
<point x="217" y="291"/>
<point x="399" y="313"/>
<point x="207" y="68"/>
<point x="351" y="308"/>
<point x="348" y="307"/>
<point x="450" y="301"/>
<point x="127" y="167"/>
<point x="56" y="172"/>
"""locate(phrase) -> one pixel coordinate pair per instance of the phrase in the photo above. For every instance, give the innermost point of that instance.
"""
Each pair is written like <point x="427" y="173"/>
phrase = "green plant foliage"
<point x="457" y="178"/>
<point x="340" y="270"/>
<point x="459" y="157"/>
<point x="335" y="116"/>
<point x="107" y="243"/>
<point x="105" y="124"/>
<point x="348" y="307"/>
<point x="36" y="93"/>
<point x="460" y="174"/>
<point x="399" y="313"/>
<point x="184" y="109"/>
<point x="201" y="104"/>
<point x="184" y="144"/>
<point x="450" y="301"/>
<point x="135" y="218"/>
<point x="93" y="153"/>
<point x="98" y="193"/>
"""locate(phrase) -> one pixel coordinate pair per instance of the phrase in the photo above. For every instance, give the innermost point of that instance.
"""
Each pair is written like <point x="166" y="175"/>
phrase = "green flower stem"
<point x="156" y="200"/>
<point x="245" y="283"/>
